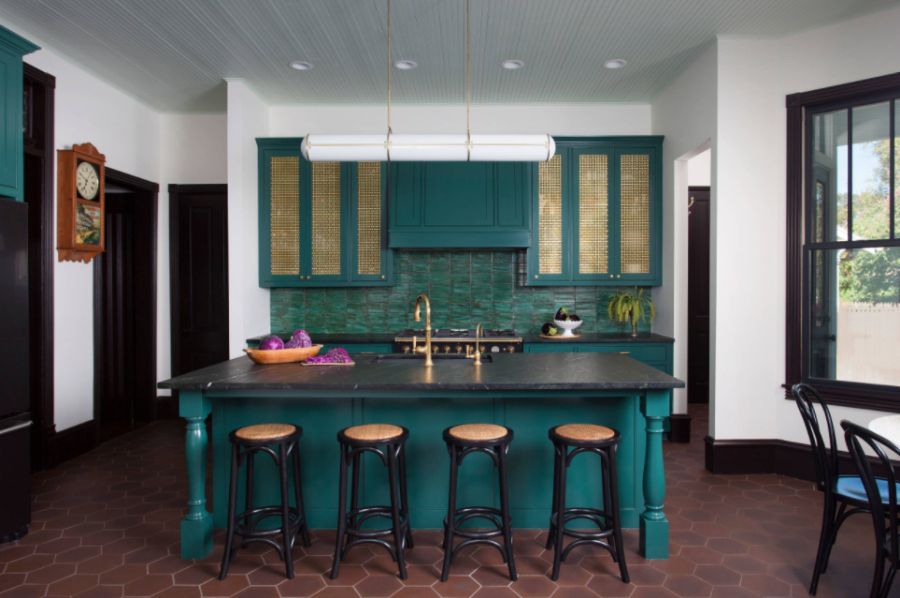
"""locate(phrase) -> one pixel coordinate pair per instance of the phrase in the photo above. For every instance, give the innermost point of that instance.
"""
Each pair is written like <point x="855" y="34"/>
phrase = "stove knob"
<point x="406" y="348"/>
<point x="434" y="349"/>
<point x="495" y="349"/>
<point x="446" y="348"/>
<point x="511" y="349"/>
<point x="458" y="348"/>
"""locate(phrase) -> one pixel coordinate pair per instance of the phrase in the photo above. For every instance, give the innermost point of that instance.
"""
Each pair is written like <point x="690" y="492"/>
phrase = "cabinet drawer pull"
<point x="624" y="352"/>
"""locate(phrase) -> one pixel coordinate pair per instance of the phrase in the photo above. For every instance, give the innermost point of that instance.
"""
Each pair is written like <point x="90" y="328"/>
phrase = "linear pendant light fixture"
<point x="450" y="147"/>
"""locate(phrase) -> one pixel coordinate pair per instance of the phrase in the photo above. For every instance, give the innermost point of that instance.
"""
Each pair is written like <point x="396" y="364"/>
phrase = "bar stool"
<point x="494" y="441"/>
<point x="585" y="438"/>
<point x="281" y="442"/>
<point x="389" y="443"/>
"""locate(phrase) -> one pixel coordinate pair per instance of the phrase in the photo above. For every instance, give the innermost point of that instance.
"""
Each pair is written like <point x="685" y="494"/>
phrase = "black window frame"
<point x="799" y="108"/>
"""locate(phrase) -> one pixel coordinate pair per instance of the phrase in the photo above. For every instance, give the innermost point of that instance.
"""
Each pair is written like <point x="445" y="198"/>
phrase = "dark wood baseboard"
<point x="74" y="441"/>
<point x="783" y="457"/>
<point x="679" y="427"/>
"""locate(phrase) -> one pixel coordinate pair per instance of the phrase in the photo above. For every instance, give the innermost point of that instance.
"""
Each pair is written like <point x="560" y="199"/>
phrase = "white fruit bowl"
<point x="568" y="326"/>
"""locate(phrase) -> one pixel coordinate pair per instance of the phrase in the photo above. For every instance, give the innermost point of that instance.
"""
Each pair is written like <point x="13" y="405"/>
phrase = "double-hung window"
<point x="843" y="299"/>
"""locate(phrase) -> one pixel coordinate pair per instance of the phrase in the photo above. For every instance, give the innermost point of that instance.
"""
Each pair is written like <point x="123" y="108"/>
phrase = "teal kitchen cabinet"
<point x="320" y="223"/>
<point x="12" y="48"/>
<point x="597" y="213"/>
<point x="654" y="354"/>
<point x="460" y="204"/>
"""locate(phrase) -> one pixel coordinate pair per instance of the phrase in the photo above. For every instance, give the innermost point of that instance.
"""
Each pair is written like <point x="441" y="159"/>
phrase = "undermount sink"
<point x="485" y="358"/>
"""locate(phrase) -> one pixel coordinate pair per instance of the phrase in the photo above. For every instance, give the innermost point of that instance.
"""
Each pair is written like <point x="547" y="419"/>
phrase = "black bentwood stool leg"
<point x="388" y="443"/>
<point x="602" y="441"/>
<point x="494" y="441"/>
<point x="281" y="443"/>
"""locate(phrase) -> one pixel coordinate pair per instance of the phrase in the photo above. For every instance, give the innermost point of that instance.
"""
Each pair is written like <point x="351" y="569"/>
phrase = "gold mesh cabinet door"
<point x="368" y="217"/>
<point x="284" y="221"/>
<point x="326" y="218"/>
<point x="634" y="208"/>
<point x="593" y="214"/>
<point x="550" y="216"/>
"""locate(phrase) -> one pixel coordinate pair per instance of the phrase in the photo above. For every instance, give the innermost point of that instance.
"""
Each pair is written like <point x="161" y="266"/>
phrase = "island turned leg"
<point x="197" y="525"/>
<point x="654" y="539"/>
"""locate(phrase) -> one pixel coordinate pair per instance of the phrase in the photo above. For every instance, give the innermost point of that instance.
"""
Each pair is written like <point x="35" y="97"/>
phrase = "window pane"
<point x="871" y="172"/>
<point x="828" y="195"/>
<point x="855" y="315"/>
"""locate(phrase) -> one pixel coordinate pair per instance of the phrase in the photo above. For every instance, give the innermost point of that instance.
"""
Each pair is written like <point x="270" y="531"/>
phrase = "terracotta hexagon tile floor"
<point x="105" y="525"/>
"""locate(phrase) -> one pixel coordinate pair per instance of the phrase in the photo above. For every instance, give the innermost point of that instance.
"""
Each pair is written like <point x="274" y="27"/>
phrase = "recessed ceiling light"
<point x="615" y="63"/>
<point x="512" y="65"/>
<point x="301" y="65"/>
<point x="406" y="65"/>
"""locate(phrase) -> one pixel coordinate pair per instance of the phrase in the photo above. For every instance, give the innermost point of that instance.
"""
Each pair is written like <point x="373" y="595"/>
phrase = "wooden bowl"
<point x="264" y="357"/>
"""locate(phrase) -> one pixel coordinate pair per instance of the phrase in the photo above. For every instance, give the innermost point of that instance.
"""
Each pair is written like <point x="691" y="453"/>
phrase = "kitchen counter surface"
<point x="602" y="337"/>
<point x="507" y="372"/>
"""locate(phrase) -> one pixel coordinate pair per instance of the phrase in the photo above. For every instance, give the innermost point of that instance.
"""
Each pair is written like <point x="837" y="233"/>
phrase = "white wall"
<point x="749" y="179"/>
<point x="127" y="133"/>
<point x="163" y="148"/>
<point x="685" y="113"/>
<point x="700" y="169"/>
<point x="192" y="148"/>
<point x="248" y="118"/>
<point x="556" y="119"/>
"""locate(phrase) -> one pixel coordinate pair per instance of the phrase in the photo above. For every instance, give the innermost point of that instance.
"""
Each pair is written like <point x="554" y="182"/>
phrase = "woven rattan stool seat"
<point x="373" y="432"/>
<point x="478" y="432"/>
<point x="585" y="432"/>
<point x="261" y="432"/>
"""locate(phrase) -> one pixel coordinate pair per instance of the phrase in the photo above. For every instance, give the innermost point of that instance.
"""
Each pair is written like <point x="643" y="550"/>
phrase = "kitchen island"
<point x="526" y="392"/>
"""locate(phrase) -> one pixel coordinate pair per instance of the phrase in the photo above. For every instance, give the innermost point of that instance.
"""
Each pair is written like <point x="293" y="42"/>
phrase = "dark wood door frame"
<point x="144" y="191"/>
<point x="175" y="192"/>
<point x="39" y="121"/>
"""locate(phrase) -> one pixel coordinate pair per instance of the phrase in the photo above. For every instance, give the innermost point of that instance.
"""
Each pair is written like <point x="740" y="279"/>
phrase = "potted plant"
<point x="631" y="305"/>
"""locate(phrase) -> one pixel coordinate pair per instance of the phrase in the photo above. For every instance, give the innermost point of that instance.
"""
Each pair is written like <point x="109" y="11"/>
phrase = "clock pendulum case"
<point x="81" y="203"/>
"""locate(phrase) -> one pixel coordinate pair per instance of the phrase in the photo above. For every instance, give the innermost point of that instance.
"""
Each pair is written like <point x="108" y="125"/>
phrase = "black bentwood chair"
<point x="844" y="494"/>
<point x="882" y="493"/>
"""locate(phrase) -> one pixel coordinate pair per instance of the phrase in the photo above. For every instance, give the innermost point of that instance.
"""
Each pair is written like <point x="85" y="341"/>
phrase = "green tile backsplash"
<point x="465" y="287"/>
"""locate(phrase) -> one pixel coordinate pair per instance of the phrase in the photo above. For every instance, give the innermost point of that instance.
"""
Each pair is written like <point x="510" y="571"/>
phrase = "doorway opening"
<point x="125" y="308"/>
<point x="698" y="295"/>
<point x="38" y="103"/>
<point x="198" y="246"/>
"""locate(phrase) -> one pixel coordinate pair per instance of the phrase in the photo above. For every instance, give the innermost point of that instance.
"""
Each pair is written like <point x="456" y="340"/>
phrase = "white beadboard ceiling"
<point x="174" y="54"/>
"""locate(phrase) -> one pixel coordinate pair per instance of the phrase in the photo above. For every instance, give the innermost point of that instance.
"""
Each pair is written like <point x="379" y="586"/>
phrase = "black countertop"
<point x="350" y="338"/>
<point x="516" y="372"/>
<point x="602" y="337"/>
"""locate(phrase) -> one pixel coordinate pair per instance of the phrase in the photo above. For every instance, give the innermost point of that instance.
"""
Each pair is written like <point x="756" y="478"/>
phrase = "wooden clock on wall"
<point x="80" y="203"/>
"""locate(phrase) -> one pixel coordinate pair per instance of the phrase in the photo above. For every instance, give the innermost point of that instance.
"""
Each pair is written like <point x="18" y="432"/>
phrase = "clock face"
<point x="87" y="180"/>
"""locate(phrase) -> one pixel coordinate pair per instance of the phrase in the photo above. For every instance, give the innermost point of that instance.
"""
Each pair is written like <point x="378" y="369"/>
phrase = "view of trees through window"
<point x="853" y="225"/>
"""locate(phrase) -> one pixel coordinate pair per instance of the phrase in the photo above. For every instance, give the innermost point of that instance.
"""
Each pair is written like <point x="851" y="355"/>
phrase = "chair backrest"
<point x="825" y="455"/>
<point x="884" y="514"/>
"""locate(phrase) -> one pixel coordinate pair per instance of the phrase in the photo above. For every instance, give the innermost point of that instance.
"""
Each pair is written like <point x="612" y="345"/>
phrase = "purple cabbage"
<point x="336" y="355"/>
<point x="299" y="339"/>
<point x="271" y="343"/>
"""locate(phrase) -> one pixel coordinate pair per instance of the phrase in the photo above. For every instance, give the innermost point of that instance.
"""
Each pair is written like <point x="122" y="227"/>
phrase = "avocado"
<point x="548" y="329"/>
<point x="562" y="314"/>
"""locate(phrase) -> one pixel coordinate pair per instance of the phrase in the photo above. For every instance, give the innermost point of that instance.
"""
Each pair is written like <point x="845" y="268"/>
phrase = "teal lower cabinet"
<point x="658" y="355"/>
<point x="530" y="463"/>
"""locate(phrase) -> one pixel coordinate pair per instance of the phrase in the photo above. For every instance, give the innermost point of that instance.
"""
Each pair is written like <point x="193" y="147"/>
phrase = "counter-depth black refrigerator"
<point x="15" y="420"/>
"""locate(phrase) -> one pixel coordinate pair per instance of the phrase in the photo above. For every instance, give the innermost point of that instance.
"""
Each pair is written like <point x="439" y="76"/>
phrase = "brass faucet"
<point x="479" y="331"/>
<point x="417" y="316"/>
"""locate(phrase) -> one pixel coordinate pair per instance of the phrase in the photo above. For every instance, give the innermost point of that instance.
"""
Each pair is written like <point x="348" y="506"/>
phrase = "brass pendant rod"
<point x="389" y="81"/>
<point x="468" y="84"/>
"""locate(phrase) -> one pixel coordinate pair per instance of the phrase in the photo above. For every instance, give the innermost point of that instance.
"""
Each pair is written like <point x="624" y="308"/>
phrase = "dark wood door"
<point x="125" y="315"/>
<point x="698" y="295"/>
<point x="199" y="271"/>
